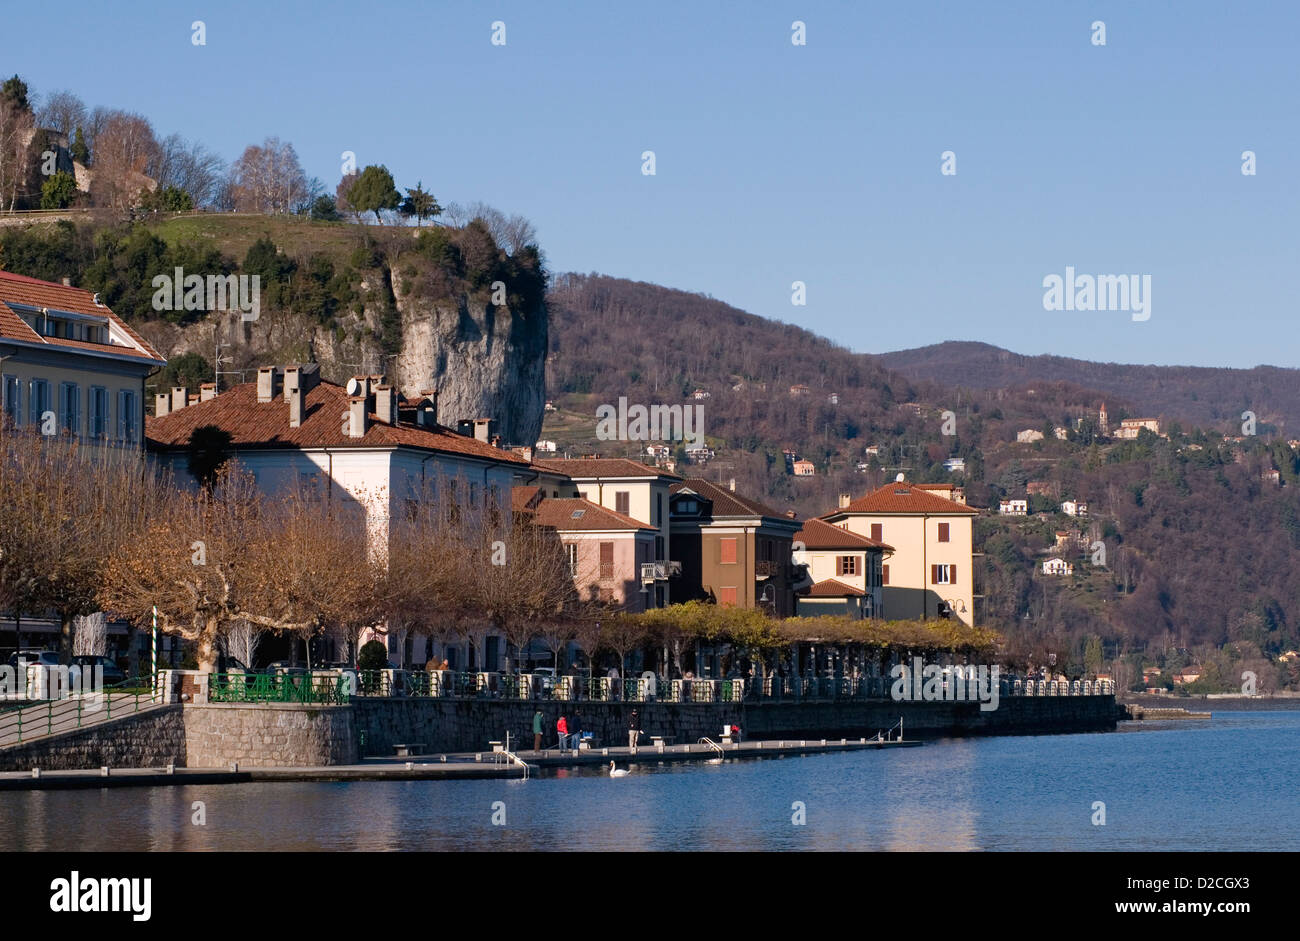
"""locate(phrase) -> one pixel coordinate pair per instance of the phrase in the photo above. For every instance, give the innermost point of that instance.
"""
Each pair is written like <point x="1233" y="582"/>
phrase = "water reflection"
<point x="1224" y="785"/>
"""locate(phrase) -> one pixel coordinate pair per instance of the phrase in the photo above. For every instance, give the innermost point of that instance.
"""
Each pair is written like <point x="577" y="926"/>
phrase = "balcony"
<point x="659" y="571"/>
<point x="768" y="569"/>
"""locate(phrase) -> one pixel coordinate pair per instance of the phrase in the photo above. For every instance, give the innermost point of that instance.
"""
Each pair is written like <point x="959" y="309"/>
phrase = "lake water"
<point x="1226" y="784"/>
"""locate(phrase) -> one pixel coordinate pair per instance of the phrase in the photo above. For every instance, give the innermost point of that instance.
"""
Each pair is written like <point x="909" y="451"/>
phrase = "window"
<point x="98" y="412"/>
<point x="571" y="550"/>
<point x="128" y="416"/>
<point x="659" y="548"/>
<point x="877" y="532"/>
<point x="727" y="550"/>
<point x="943" y="574"/>
<point x="659" y="509"/>
<point x="38" y="400"/>
<point x="622" y="502"/>
<point x="606" y="560"/>
<point x="727" y="595"/>
<point x="884" y="575"/>
<point x="846" y="565"/>
<point x="13" y="400"/>
<point x="687" y="506"/>
<point x="69" y="407"/>
<point x="943" y="532"/>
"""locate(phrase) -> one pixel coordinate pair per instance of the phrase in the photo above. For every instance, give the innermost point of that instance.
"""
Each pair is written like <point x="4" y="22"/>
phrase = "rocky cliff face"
<point x="485" y="361"/>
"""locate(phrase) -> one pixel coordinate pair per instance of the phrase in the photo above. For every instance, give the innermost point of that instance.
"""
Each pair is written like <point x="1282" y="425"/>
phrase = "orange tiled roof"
<point x="579" y="468"/>
<point x="832" y="588"/>
<point x="265" y="425"/>
<point x="818" y="534"/>
<point x="902" y="498"/>
<point x="525" y="499"/>
<point x="19" y="289"/>
<point x="558" y="513"/>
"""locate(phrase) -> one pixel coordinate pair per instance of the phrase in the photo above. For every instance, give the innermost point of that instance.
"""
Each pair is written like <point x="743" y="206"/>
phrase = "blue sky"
<point x="778" y="163"/>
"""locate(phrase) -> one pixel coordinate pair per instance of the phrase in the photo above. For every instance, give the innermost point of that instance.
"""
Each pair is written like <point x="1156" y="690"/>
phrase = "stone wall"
<point x="268" y="735"/>
<point x="150" y="739"/>
<point x="447" y="725"/>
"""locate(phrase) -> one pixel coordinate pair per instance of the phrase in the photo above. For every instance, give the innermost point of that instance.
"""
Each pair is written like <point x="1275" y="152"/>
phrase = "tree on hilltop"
<point x="420" y="204"/>
<point x="373" y="191"/>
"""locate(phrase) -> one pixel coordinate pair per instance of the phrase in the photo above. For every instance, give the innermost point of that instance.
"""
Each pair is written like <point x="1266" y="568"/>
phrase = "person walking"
<point x="575" y="737"/>
<point x="537" y="730"/>
<point x="633" y="730"/>
<point x="562" y="730"/>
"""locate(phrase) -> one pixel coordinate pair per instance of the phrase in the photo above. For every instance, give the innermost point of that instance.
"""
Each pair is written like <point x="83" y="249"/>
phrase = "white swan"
<point x="618" y="772"/>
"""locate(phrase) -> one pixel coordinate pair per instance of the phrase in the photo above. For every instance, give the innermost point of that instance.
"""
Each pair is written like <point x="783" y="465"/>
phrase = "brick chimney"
<point x="207" y="390"/>
<point x="731" y="484"/>
<point x="845" y="500"/>
<point x="180" y="398"/>
<point x="386" y="404"/>
<point x="297" y="404"/>
<point x="305" y="376"/>
<point x="358" y="416"/>
<point x="266" y="384"/>
<point x="162" y="404"/>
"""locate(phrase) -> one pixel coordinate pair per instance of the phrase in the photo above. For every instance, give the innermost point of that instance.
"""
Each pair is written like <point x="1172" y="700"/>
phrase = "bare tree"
<point x="191" y="167"/>
<point x="62" y="111"/>
<point x="16" y="128"/>
<point x="91" y="635"/>
<point x="268" y="178"/>
<point x="125" y="151"/>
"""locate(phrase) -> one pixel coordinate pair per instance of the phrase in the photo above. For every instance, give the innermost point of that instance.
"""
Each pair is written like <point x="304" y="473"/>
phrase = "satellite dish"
<point x="898" y="479"/>
<point x="354" y="387"/>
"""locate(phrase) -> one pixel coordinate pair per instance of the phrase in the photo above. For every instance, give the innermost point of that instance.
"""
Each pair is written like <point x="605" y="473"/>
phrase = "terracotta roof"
<point x="902" y="498"/>
<point x="265" y="425"/>
<point x="19" y="289"/>
<point x="558" y="513"/>
<point x="525" y="499"/>
<point x="818" y="534"/>
<point x="579" y="468"/>
<point x="831" y="588"/>
<point x="725" y="502"/>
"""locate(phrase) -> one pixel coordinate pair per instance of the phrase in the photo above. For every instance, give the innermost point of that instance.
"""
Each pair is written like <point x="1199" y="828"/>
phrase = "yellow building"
<point x="931" y="571"/>
<point x="69" y="365"/>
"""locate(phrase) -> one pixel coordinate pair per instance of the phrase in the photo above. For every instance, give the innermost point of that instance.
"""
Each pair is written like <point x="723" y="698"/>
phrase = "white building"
<point x="1057" y="566"/>
<point x="1029" y="435"/>
<point x="1074" y="508"/>
<point x="1013" y="507"/>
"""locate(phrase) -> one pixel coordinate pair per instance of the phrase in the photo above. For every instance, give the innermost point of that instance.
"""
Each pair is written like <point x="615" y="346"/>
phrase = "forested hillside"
<point x="1201" y="546"/>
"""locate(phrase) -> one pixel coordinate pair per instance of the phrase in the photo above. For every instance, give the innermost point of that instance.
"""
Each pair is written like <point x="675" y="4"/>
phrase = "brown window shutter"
<point x="952" y="574"/>
<point x="934" y="575"/>
<point x="622" y="502"/>
<point x="943" y="532"/>
<point x="877" y="531"/>
<point x="884" y="575"/>
<point x="606" y="560"/>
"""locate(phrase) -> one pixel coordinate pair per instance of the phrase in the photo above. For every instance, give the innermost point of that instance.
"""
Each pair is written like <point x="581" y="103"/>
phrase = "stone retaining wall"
<point x="269" y="735"/>
<point x="150" y="739"/>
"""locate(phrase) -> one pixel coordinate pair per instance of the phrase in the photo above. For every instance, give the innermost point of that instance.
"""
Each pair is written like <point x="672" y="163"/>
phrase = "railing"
<point x="78" y="710"/>
<point x="333" y="687"/>
<point x="338" y="687"/>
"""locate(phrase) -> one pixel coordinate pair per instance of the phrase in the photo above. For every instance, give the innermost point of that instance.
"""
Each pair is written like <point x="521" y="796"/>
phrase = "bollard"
<point x="171" y="767"/>
<point x="103" y="771"/>
<point x="36" y="772"/>
<point x="234" y="766"/>
<point x="410" y="766"/>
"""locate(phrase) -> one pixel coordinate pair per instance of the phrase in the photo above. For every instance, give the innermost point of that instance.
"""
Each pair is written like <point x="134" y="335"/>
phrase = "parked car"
<point x="45" y="658"/>
<point x="112" y="672"/>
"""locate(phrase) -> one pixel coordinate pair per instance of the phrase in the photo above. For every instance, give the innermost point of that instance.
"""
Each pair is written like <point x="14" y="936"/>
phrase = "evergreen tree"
<point x="420" y="204"/>
<point x="374" y="191"/>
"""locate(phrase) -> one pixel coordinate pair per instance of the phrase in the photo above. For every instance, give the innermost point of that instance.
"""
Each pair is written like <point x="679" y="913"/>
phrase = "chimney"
<point x="207" y="390"/>
<point x="162" y="405"/>
<point x="483" y="429"/>
<point x="845" y="500"/>
<point x="427" y="410"/>
<point x="358" y="417"/>
<point x="386" y="404"/>
<point x="305" y="376"/>
<point x="297" y="399"/>
<point x="266" y="384"/>
<point x="180" y="398"/>
<point x="67" y="283"/>
<point x="731" y="484"/>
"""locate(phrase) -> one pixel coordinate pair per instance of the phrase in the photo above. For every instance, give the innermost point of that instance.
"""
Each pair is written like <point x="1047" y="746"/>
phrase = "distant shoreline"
<point x="1217" y="703"/>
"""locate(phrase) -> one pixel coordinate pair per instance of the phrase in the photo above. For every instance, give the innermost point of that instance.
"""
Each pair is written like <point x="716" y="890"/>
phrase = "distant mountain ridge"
<point x="1200" y="394"/>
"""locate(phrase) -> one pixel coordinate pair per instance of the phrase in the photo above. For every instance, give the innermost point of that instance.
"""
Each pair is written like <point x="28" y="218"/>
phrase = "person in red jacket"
<point x="562" y="727"/>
